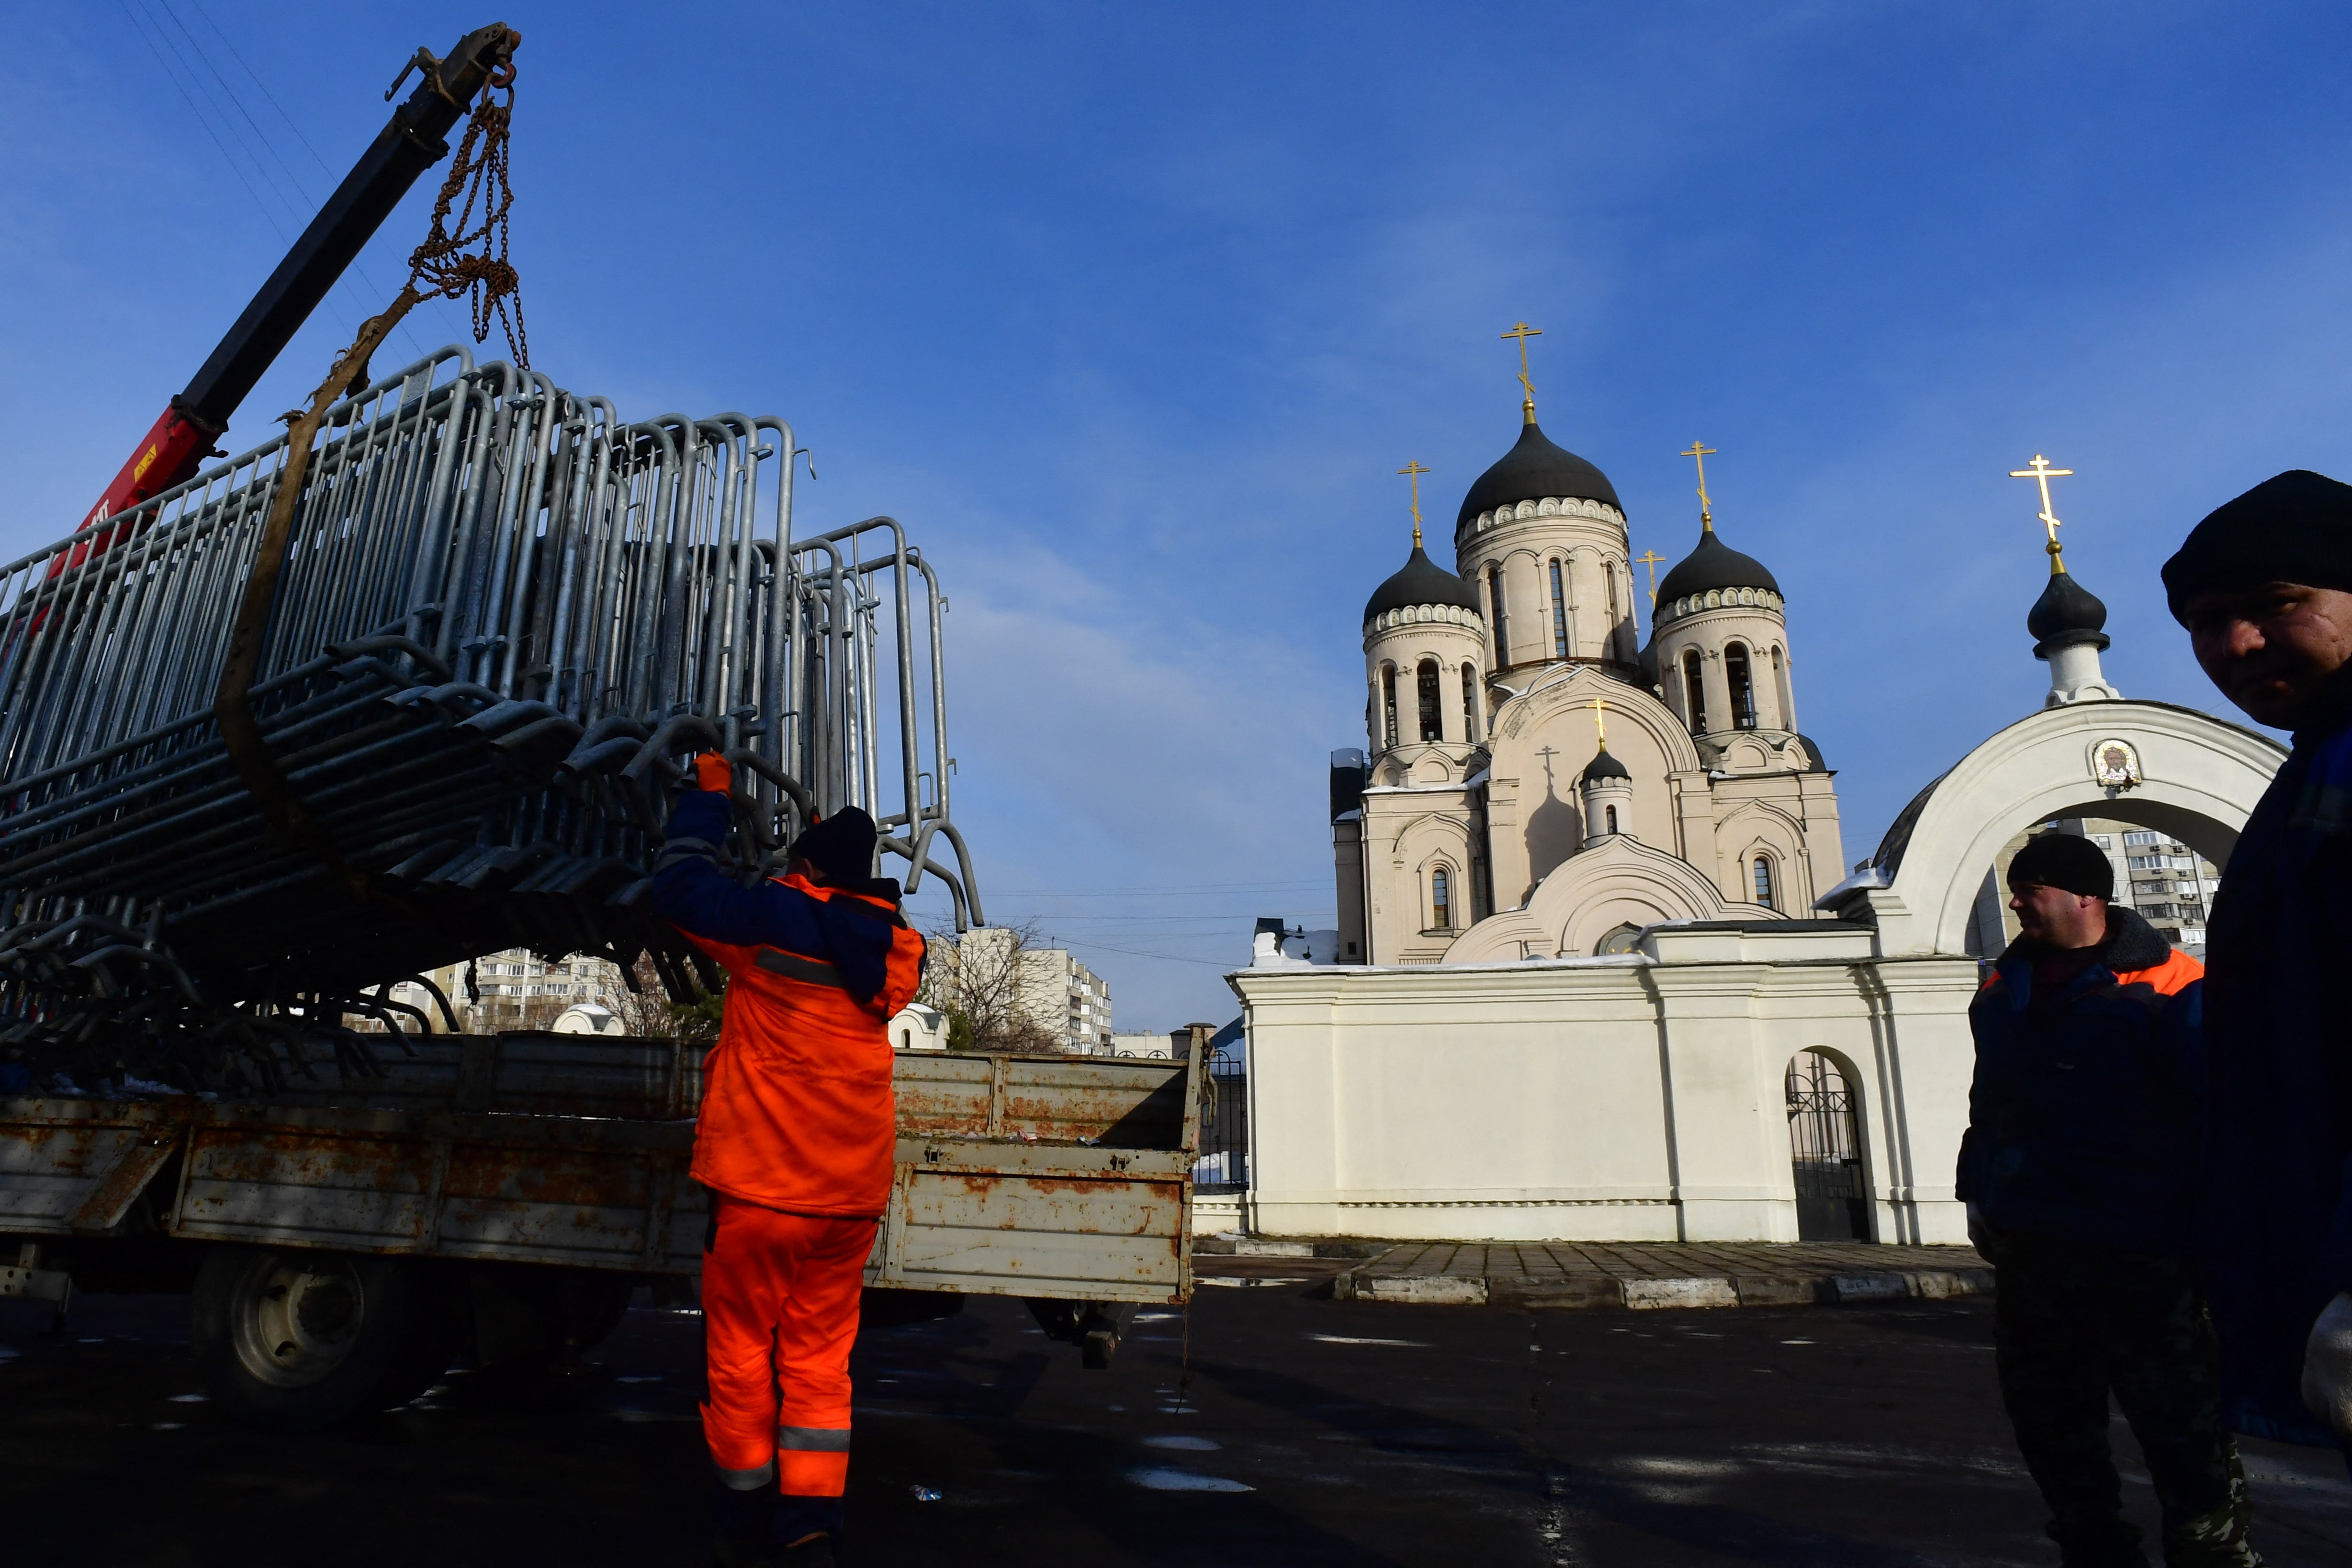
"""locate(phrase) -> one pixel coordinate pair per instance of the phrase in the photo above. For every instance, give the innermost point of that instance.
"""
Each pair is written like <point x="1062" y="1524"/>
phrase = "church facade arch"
<point x="1619" y="882"/>
<point x="2199" y="779"/>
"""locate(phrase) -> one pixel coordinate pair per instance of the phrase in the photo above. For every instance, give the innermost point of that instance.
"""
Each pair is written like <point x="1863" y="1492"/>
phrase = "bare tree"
<point x="978" y="982"/>
<point x="648" y="1012"/>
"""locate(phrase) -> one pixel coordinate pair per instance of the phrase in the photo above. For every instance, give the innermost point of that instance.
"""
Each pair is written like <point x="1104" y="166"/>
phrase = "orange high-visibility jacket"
<point x="797" y="1112"/>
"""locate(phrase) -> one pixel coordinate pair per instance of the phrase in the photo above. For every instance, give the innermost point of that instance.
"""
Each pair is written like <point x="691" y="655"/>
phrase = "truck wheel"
<point x="296" y="1339"/>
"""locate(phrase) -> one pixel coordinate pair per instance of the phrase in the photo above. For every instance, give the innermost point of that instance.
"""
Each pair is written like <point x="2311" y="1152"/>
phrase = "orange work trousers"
<point x="779" y="1313"/>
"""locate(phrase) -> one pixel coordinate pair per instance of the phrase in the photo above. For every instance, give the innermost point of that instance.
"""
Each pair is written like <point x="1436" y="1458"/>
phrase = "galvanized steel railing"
<point x="505" y="617"/>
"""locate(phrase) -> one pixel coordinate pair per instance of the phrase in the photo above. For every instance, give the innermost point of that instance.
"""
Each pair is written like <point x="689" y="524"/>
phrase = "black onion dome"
<point x="2068" y="613"/>
<point x="1531" y="471"/>
<point x="1714" y="565"/>
<point x="1604" y="766"/>
<point x="1420" y="581"/>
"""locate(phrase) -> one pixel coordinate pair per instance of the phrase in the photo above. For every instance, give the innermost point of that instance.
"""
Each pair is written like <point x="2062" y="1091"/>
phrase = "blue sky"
<point x="1133" y="311"/>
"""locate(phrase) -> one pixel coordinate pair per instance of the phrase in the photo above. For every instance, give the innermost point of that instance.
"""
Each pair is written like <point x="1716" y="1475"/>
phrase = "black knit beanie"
<point x="2065" y="860"/>
<point x="840" y="846"/>
<point x="2295" y="527"/>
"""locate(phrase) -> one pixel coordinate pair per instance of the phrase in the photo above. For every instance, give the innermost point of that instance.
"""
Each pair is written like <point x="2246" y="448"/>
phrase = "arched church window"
<point x="1495" y="616"/>
<point x="1441" y="900"/>
<point x="1559" y="615"/>
<point x="1743" y="690"/>
<point x="1609" y="571"/>
<point x="1693" y="692"/>
<point x="1764" y="892"/>
<point x="1388" y="705"/>
<point x="1781" y="689"/>
<point x="1611" y="812"/>
<point x="1432" y="707"/>
<point x="1470" y="703"/>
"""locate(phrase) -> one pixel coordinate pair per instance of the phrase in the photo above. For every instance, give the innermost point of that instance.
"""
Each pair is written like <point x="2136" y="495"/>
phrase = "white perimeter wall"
<point x="1602" y="1099"/>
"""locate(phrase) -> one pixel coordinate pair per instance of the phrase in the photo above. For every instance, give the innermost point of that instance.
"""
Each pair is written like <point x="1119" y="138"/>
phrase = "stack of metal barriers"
<point x="505" y="619"/>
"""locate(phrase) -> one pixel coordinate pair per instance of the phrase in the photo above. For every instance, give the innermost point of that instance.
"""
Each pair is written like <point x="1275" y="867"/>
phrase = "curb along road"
<point x="1639" y="1276"/>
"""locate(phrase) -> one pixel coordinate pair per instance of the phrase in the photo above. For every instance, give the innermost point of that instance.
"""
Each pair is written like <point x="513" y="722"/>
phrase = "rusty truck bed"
<point x="1064" y="1177"/>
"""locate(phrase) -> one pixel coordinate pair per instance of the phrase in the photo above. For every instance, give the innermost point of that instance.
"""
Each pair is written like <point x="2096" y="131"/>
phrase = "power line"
<point x="233" y="165"/>
<point x="140" y="23"/>
<point x="440" y="308"/>
<point x="1169" y="957"/>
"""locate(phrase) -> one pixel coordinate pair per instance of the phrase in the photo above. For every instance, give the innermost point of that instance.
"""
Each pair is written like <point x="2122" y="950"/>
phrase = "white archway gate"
<point x="2188" y="774"/>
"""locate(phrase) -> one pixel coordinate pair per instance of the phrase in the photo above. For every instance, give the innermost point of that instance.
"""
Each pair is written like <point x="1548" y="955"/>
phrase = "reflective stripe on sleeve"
<point x="748" y="1480"/>
<point x="679" y="849"/>
<point x="808" y="971"/>
<point x="813" y="1440"/>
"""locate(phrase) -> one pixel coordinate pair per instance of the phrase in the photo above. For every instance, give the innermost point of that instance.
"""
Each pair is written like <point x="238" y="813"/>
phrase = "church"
<point x="1602" y="973"/>
<point x="1541" y="782"/>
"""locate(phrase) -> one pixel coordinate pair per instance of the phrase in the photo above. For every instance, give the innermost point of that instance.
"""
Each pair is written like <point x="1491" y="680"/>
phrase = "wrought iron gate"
<point x="1223" y="1165"/>
<point x="1825" y="1150"/>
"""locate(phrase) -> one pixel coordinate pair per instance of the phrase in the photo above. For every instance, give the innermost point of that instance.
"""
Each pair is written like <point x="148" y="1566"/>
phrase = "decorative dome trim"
<point x="1719" y="599"/>
<point x="1542" y="506"/>
<point x="1470" y="621"/>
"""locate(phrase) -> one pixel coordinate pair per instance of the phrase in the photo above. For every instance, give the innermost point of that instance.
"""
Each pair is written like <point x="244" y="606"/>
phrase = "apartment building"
<point x="1065" y="998"/>
<point x="2169" y="884"/>
<point x="519" y="990"/>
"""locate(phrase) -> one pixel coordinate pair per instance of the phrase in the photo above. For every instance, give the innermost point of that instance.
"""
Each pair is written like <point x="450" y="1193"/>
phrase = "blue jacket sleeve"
<point x="693" y="894"/>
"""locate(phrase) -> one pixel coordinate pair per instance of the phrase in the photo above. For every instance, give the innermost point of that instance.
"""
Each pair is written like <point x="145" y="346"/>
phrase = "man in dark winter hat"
<point x="2264" y="587"/>
<point x="2082" y="1196"/>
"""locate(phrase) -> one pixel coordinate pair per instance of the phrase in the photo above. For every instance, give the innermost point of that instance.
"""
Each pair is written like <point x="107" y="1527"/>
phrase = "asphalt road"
<point x="1265" y="1426"/>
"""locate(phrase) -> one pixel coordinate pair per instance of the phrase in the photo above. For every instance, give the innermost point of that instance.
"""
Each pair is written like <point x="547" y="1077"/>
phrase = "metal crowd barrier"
<point x="505" y="619"/>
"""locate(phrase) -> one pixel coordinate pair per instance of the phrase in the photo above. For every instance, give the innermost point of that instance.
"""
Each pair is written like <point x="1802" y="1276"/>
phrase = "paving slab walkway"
<point x="1643" y="1274"/>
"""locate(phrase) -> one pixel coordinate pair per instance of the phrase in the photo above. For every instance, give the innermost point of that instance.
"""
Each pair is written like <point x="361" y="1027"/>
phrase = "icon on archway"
<point x="2115" y="764"/>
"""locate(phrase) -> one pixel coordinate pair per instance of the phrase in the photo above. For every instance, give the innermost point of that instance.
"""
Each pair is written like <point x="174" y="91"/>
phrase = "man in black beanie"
<point x="2264" y="587"/>
<point x="2086" y="1096"/>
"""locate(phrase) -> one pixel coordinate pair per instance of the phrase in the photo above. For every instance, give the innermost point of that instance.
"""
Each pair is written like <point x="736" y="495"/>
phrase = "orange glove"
<point x="713" y="771"/>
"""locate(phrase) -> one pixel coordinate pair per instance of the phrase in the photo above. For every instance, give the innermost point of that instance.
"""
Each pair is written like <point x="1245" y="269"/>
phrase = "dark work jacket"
<point x="2085" y="1114"/>
<point x="2278" y="1191"/>
<point x="798" y="1111"/>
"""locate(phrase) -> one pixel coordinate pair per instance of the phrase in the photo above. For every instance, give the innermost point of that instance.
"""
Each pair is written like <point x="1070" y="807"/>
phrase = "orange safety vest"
<point x="797" y="1110"/>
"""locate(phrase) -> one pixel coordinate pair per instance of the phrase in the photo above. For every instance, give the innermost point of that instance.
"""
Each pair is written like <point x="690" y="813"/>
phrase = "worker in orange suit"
<point x="794" y="1145"/>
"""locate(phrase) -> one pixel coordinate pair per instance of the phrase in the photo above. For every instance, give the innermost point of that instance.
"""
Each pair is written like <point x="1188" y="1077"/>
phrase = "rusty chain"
<point x="480" y="172"/>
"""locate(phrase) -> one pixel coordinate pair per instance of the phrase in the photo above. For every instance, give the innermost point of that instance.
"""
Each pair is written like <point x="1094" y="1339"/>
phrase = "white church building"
<point x="1493" y="822"/>
<point x="1626" y="990"/>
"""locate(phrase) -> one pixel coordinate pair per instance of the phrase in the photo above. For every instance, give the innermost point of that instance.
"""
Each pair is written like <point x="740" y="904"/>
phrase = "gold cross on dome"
<point x="1523" y="331"/>
<point x="1699" y="455"/>
<point x="1651" y="558"/>
<point x="2042" y="472"/>
<point x="1414" y="470"/>
<point x="1600" y="721"/>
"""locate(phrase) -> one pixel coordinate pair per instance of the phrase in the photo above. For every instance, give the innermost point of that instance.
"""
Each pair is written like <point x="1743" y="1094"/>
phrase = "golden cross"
<point x="1651" y="558"/>
<point x="1523" y="331"/>
<point x="1414" y="470"/>
<point x="2039" y="471"/>
<point x="1600" y="721"/>
<point x="1699" y="455"/>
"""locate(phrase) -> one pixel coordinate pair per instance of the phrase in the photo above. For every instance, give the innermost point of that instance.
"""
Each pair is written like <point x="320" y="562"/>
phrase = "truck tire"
<point x="294" y="1339"/>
